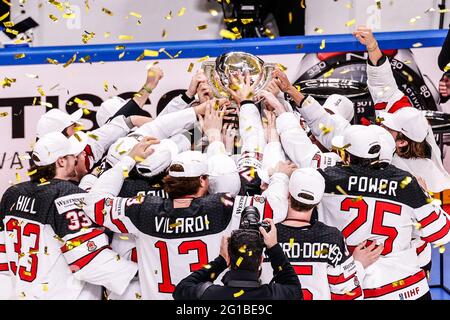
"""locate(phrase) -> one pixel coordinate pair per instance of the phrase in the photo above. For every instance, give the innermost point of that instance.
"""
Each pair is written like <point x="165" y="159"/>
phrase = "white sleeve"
<point x="251" y="129"/>
<point x="169" y="124"/>
<point x="317" y="118"/>
<point x="296" y="143"/>
<point x="102" y="138"/>
<point x="343" y="281"/>
<point x="434" y="224"/>
<point x="273" y="153"/>
<point x="87" y="182"/>
<point x="277" y="196"/>
<point x="215" y="148"/>
<point x="176" y="104"/>
<point x="382" y="85"/>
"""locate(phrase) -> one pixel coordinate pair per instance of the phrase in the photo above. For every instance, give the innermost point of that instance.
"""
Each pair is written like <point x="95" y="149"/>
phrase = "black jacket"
<point x="444" y="55"/>
<point x="241" y="284"/>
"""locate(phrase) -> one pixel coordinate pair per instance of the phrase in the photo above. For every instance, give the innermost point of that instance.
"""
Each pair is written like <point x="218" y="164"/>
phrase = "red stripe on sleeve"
<point x="268" y="212"/>
<point x="380" y="106"/>
<point x="439" y="234"/>
<point x="402" y="103"/>
<point x="119" y="224"/>
<point x="429" y="219"/>
<point x="134" y="257"/>
<point x="2" y="248"/>
<point x="99" y="216"/>
<point x="4" y="267"/>
<point x="82" y="262"/>
<point x="334" y="280"/>
<point x="303" y="270"/>
<point x="81" y="239"/>
<point x="420" y="249"/>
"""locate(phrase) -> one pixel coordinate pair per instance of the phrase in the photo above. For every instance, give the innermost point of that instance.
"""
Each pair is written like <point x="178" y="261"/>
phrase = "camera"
<point x="250" y="219"/>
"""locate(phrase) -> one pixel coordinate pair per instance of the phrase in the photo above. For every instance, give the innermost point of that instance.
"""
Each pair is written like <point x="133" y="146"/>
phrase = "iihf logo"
<point x="401" y="296"/>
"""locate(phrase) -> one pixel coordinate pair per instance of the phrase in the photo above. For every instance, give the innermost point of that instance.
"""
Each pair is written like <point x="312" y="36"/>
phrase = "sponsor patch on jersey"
<point x="91" y="246"/>
<point x="259" y="199"/>
<point x="70" y="202"/>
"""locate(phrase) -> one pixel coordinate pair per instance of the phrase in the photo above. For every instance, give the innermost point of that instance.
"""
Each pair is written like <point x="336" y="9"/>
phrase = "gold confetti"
<point x="203" y="59"/>
<point x="12" y="31"/>
<point x="339" y="188"/>
<point x="41" y="91"/>
<point x="350" y="293"/>
<point x="282" y="68"/>
<point x="69" y="15"/>
<point x="349" y="6"/>
<point x="151" y="53"/>
<point x="328" y="73"/>
<point x="207" y="266"/>
<point x="52" y="61"/>
<point x="79" y="101"/>
<point x="435" y="202"/>
<point x="8" y="24"/>
<point x="238" y="294"/>
<point x="252" y="172"/>
<point x="19" y="56"/>
<point x="3" y="114"/>
<point x="243" y="249"/>
<point x="444" y="10"/>
<point x="107" y="34"/>
<point x="350" y="23"/>
<point x="53" y="18"/>
<point x="227" y="34"/>
<point x="407" y="180"/>
<point x="120" y="48"/>
<point x="70" y="61"/>
<point x="378" y="2"/>
<point x="86" y="36"/>
<point x="247" y="21"/>
<point x="302" y="4"/>
<point x="3" y="17"/>
<point x="267" y="32"/>
<point x="191" y="66"/>
<point x="7" y="82"/>
<point x="441" y="249"/>
<point x="357" y="199"/>
<point x="280" y="268"/>
<point x="239" y="261"/>
<point x="202" y="27"/>
<point x="291" y="242"/>
<point x="318" y="30"/>
<point x="181" y="12"/>
<point x="213" y="12"/>
<point x="164" y="33"/>
<point x="105" y="86"/>
<point x="138" y="159"/>
<point x="447" y="67"/>
<point x="169" y="15"/>
<point x="174" y="225"/>
<point x="417" y="45"/>
<point x="121" y="55"/>
<point x="213" y="276"/>
<point x="322" y="44"/>
<point x="138" y="296"/>
<point x="22" y="295"/>
<point x="417" y="225"/>
<point x="250" y="253"/>
<point x="85" y="112"/>
<point x="345" y="71"/>
<point x="125" y="172"/>
<point x="325" y="129"/>
<point x="18" y="177"/>
<point x="107" y="11"/>
<point x="136" y="15"/>
<point x="125" y="37"/>
<point x="45" y="287"/>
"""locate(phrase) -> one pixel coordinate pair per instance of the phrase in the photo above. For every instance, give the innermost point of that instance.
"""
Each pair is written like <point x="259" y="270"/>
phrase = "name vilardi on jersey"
<point x="26" y="204"/>
<point x="316" y="250"/>
<point x="181" y="225"/>
<point x="366" y="184"/>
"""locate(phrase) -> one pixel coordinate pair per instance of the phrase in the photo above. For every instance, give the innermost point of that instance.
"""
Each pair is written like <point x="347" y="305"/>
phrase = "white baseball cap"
<point x="55" y="145"/>
<point x="194" y="164"/>
<point x="409" y="121"/>
<point x="108" y="108"/>
<point x="223" y="175"/>
<point x="341" y="105"/>
<point x="307" y="185"/>
<point x="387" y="143"/>
<point x="358" y="140"/>
<point x="56" y="120"/>
<point x="120" y="148"/>
<point x="159" y="160"/>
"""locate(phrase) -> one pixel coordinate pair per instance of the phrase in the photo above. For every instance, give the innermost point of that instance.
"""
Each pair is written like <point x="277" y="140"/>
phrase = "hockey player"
<point x="53" y="250"/>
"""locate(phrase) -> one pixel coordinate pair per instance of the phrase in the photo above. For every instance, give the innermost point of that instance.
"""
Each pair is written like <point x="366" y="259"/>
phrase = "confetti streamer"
<point x="238" y="294"/>
<point x="136" y="15"/>
<point x="239" y="261"/>
<point x="322" y="45"/>
<point x="328" y="73"/>
<point x="203" y="59"/>
<point x="342" y="191"/>
<point x="318" y="30"/>
<point x="350" y="23"/>
<point x="202" y="27"/>
<point x="151" y="53"/>
<point x="125" y="37"/>
<point x="70" y="61"/>
<point x="181" y="12"/>
<point x="290" y="17"/>
<point x="53" y="18"/>
<point x="345" y="71"/>
<point x="107" y="11"/>
<point x="3" y="17"/>
<point x="190" y="67"/>
<point x="227" y="34"/>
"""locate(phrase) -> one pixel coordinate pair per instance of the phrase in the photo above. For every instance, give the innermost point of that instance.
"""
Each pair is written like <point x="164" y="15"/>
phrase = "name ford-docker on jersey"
<point x="320" y="258"/>
<point x="385" y="206"/>
<point x="173" y="242"/>
<point x="51" y="249"/>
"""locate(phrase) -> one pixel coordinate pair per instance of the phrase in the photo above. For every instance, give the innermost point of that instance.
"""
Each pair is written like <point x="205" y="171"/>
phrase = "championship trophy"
<point x="218" y="72"/>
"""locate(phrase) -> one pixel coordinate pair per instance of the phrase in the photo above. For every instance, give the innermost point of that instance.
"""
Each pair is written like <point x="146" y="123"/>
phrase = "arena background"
<point x="109" y="72"/>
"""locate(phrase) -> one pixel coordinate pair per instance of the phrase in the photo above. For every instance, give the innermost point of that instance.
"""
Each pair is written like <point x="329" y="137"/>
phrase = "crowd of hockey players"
<point x="129" y="210"/>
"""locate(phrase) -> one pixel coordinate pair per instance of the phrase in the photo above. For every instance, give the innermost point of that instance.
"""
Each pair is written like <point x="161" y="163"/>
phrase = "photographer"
<point x="242" y="252"/>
